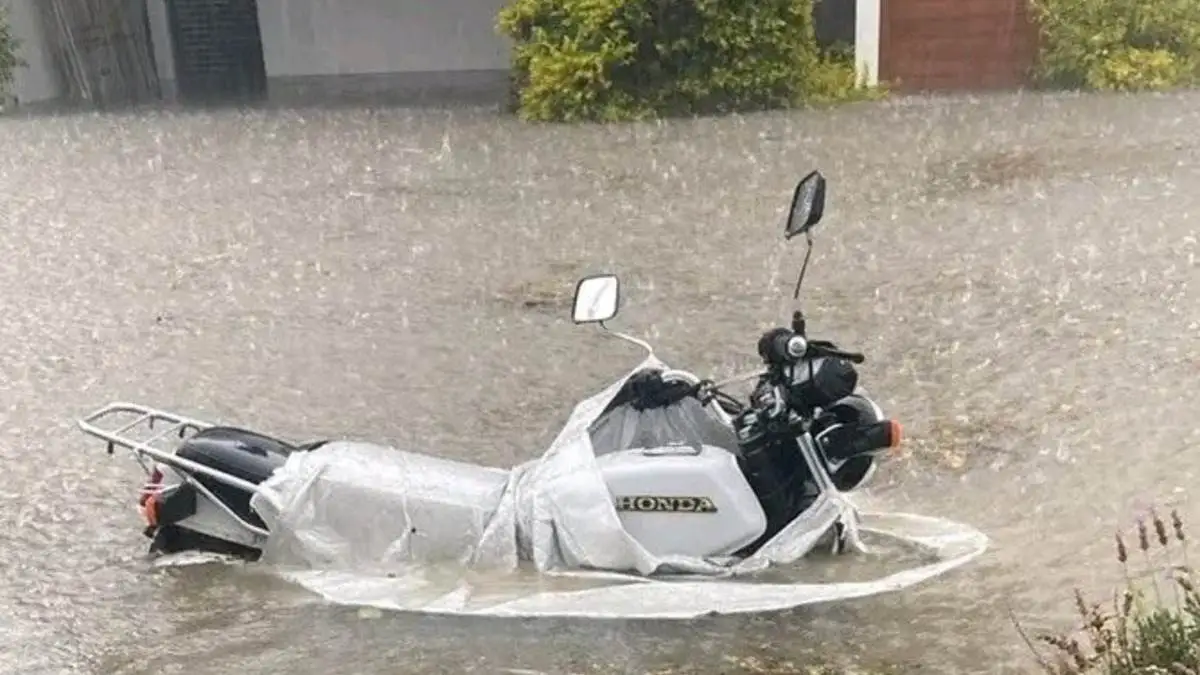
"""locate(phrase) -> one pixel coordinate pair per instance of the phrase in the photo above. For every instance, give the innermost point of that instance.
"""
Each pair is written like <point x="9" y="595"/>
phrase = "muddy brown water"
<point x="1021" y="270"/>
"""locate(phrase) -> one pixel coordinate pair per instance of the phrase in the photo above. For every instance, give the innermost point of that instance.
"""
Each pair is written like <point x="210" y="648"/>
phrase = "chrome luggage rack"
<point x="102" y="425"/>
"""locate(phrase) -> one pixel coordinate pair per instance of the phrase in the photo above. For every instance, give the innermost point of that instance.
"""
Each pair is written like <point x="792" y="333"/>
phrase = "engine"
<point x="776" y="473"/>
<point x="847" y="429"/>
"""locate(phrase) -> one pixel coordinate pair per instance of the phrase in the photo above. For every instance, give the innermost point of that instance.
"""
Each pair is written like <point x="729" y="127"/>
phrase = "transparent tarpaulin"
<point x="365" y="524"/>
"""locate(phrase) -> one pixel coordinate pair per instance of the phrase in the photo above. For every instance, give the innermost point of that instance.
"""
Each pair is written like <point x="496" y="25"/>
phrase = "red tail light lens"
<point x="152" y="486"/>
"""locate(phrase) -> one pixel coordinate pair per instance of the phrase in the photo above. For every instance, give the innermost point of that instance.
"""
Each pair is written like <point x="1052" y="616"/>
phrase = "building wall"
<point x="334" y="37"/>
<point x="946" y="45"/>
<point x="401" y="47"/>
<point x="412" y="48"/>
<point x="38" y="81"/>
<point x="866" y="41"/>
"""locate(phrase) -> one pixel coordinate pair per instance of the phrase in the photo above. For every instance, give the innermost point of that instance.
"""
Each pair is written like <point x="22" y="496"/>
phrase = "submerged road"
<point x="1021" y="271"/>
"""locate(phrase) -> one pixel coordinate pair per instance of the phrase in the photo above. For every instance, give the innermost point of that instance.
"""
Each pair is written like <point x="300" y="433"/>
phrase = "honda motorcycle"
<point x="662" y="470"/>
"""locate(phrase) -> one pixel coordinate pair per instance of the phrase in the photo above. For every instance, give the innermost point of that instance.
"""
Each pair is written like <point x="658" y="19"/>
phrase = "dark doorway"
<point x="218" y="50"/>
<point x="833" y="22"/>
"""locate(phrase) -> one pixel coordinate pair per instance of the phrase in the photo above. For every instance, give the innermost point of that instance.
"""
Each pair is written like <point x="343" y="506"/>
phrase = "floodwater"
<point x="1021" y="270"/>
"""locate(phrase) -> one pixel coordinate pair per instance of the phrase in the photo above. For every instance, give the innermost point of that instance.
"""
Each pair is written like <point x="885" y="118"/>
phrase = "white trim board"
<point x="866" y="41"/>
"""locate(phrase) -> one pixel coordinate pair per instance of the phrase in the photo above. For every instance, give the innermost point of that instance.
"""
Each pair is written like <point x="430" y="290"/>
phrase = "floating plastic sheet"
<point x="611" y="596"/>
<point x="366" y="524"/>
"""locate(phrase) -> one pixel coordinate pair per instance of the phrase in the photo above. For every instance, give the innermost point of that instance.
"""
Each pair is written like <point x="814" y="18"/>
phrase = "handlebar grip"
<point x="781" y="346"/>
<point x="823" y="348"/>
<point x="853" y="357"/>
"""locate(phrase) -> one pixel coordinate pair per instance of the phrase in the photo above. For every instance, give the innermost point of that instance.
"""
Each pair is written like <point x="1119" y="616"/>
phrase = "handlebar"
<point x="778" y="347"/>
<point x="834" y="352"/>
<point x="782" y="347"/>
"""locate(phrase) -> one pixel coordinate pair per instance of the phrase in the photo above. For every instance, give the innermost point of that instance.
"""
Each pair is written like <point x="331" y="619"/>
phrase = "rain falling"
<point x="1020" y="270"/>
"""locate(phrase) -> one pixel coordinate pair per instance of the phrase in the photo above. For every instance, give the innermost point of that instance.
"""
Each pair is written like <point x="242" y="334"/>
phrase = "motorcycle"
<point x="661" y="472"/>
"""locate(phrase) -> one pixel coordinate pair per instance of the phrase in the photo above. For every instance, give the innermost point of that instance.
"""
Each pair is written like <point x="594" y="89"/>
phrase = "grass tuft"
<point x="1145" y="631"/>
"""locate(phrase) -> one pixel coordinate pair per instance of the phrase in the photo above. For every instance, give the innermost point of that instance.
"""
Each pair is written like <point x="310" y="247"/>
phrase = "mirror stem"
<point x="628" y="338"/>
<point x="803" y="268"/>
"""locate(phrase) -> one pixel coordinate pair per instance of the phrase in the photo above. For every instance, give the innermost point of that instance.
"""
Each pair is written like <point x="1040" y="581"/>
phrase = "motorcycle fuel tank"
<point x="683" y="499"/>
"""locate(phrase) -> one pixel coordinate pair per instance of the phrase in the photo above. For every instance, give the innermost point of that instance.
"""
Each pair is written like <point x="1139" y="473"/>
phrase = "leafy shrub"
<point x="1147" y="631"/>
<point x="610" y="60"/>
<point x="1118" y="44"/>
<point x="835" y="79"/>
<point x="9" y="62"/>
<point x="1131" y="68"/>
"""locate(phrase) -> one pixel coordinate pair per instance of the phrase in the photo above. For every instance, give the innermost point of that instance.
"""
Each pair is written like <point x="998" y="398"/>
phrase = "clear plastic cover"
<point x="366" y="524"/>
<point x="685" y="423"/>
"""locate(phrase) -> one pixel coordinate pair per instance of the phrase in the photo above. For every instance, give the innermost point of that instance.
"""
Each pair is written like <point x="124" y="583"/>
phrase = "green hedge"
<point x="8" y="54"/>
<point x="608" y="60"/>
<point x="1118" y="44"/>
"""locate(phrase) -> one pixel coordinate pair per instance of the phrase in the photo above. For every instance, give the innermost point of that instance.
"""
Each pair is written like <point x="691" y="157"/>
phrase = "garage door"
<point x="938" y="45"/>
<point x="218" y="49"/>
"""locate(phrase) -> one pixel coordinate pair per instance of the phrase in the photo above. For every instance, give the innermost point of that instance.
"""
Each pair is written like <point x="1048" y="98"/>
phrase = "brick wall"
<point x="944" y="45"/>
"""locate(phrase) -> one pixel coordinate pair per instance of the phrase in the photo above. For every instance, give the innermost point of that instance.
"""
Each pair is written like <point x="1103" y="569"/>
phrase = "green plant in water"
<point x="1122" y="45"/>
<point x="1144" y="632"/>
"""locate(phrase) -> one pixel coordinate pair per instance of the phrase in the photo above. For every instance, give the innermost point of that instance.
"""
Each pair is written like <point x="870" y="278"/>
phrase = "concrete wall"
<point x="400" y="47"/>
<point x="405" y="49"/>
<point x="38" y="81"/>
<point x="335" y="37"/>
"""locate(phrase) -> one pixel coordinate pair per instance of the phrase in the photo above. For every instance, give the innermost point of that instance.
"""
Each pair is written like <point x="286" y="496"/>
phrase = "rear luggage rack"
<point x="102" y="424"/>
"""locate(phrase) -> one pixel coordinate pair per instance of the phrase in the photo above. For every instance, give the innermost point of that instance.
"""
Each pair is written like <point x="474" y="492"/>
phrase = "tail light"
<point x="152" y="486"/>
<point x="148" y="500"/>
